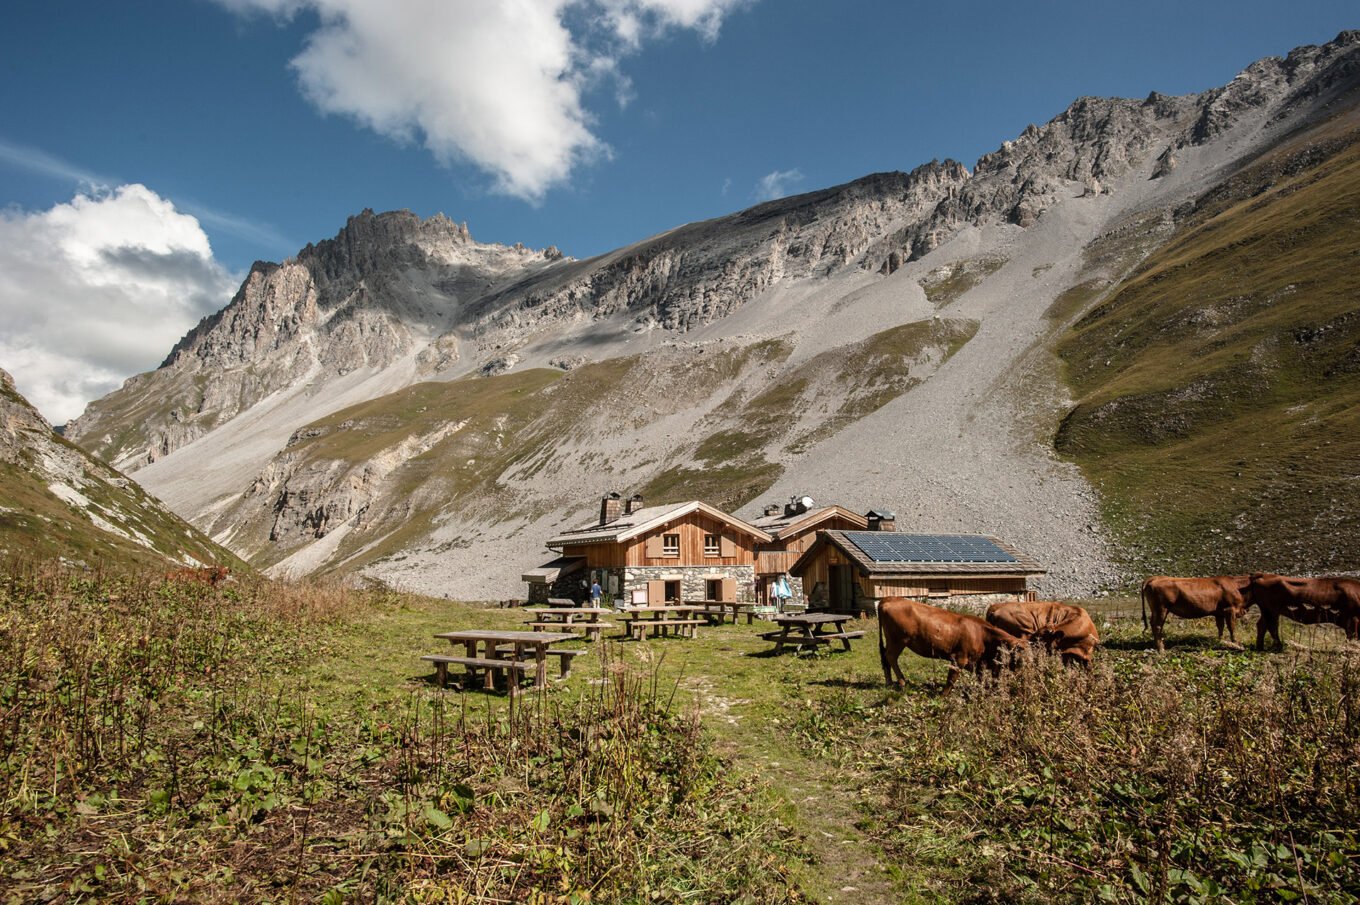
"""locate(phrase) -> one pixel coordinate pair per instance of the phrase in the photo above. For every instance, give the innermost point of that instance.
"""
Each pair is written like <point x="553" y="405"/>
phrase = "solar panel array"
<point x="888" y="546"/>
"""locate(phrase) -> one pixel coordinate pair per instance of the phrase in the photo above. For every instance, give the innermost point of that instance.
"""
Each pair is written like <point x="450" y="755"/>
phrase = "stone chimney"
<point x="611" y="507"/>
<point x="633" y="504"/>
<point x="881" y="520"/>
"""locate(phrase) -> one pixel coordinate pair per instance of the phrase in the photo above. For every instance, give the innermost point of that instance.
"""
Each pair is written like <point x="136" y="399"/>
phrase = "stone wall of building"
<point x="693" y="579"/>
<point x="568" y="586"/>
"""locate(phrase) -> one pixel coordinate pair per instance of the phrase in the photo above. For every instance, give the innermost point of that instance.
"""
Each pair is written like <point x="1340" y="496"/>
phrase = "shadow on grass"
<point x="1173" y="642"/>
<point x="860" y="684"/>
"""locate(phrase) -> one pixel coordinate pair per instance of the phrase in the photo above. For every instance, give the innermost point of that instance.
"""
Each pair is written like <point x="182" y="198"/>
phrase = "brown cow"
<point x="1195" y="598"/>
<point x="967" y="642"/>
<point x="1330" y="599"/>
<point x="1060" y="627"/>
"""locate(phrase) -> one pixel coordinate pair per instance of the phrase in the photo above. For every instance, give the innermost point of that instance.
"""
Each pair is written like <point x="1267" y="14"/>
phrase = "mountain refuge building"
<point x="847" y="571"/>
<point x="653" y="554"/>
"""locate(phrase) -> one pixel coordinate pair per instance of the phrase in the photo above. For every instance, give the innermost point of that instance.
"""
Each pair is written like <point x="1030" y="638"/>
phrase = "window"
<point x="711" y="547"/>
<point x="670" y="545"/>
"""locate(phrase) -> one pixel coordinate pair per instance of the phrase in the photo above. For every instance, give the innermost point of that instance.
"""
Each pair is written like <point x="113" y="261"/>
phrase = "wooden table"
<point x="661" y="618"/>
<point x="586" y="618"/>
<point x="719" y="608"/>
<point x="529" y="650"/>
<point x="810" y="629"/>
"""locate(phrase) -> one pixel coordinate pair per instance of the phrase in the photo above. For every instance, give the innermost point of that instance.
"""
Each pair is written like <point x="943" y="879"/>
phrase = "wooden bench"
<point x="592" y="629"/>
<point x="564" y="657"/>
<point x="474" y="664"/>
<point x="687" y="627"/>
<point x="815" y="639"/>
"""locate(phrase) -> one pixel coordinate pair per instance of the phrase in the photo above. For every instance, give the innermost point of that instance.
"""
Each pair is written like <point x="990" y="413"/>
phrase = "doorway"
<point x="672" y="590"/>
<point x="840" y="588"/>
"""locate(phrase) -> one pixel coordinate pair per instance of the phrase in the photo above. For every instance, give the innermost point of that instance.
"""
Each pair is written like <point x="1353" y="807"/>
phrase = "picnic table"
<point x="661" y="618"/>
<point x="808" y="630"/>
<point x="586" y="618"/>
<point x="512" y="652"/>
<point x="719" y="608"/>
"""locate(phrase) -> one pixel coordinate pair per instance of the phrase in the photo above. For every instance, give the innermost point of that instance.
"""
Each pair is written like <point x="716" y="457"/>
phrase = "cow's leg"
<point x="1219" y="622"/>
<point x="1231" y="619"/>
<point x="953" y="677"/>
<point x="893" y="653"/>
<point x="1158" y="617"/>
<point x="1270" y="622"/>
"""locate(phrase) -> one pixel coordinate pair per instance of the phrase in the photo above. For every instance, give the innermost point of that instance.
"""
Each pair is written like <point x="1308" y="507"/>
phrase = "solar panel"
<point x="888" y="546"/>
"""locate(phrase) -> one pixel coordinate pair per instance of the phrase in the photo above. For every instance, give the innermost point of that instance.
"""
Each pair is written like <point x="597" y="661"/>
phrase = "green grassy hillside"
<point x="58" y="502"/>
<point x="1219" y="385"/>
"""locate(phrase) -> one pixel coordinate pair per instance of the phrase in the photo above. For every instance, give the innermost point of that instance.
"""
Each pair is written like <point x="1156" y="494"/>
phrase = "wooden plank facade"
<point x="693" y="539"/>
<point x="679" y="551"/>
<point x="835" y="580"/>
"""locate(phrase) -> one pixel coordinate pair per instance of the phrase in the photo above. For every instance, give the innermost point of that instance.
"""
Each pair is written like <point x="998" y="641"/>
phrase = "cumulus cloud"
<point x="499" y="84"/>
<point x="98" y="289"/>
<point x="777" y="184"/>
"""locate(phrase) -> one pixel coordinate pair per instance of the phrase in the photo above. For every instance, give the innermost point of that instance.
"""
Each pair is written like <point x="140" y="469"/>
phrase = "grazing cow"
<point x="1329" y="599"/>
<point x="967" y="642"/>
<point x="1195" y="598"/>
<point x="1060" y="627"/>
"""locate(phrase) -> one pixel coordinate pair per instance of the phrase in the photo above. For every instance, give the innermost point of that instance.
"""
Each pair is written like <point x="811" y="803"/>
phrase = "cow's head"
<point x="1007" y="650"/>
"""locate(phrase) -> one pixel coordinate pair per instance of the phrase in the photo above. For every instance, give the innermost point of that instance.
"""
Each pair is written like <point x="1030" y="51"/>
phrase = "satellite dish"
<point x="805" y="503"/>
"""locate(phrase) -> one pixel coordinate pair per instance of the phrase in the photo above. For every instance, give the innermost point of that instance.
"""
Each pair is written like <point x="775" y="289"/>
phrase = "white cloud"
<point x="498" y="84"/>
<point x="777" y="184"/>
<point x="99" y="289"/>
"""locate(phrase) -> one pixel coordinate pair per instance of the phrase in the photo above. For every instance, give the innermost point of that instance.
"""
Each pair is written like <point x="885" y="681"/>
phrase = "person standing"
<point x="595" y="593"/>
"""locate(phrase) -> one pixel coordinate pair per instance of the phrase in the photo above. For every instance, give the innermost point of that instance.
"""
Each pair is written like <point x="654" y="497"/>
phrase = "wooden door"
<point x="729" y="589"/>
<point x="840" y="589"/>
<point x="656" y="592"/>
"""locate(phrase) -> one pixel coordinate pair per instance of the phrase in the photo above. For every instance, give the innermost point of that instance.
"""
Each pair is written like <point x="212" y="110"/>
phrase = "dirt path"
<point x="846" y="866"/>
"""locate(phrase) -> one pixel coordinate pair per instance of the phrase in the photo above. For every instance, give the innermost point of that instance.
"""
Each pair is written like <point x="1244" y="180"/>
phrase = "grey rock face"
<point x="1096" y="140"/>
<point x="364" y="299"/>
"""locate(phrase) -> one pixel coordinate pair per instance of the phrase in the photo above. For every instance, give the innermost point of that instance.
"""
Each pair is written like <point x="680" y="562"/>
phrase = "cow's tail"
<point x="882" y="645"/>
<point x="1142" y="597"/>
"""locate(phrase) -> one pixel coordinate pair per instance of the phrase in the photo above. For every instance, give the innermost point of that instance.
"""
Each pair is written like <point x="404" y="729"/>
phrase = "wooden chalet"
<point x="793" y="527"/>
<point x="848" y="571"/>
<point x="652" y="554"/>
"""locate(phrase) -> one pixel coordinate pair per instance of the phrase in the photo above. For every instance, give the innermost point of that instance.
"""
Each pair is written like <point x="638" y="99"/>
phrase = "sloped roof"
<point x="781" y="525"/>
<point x="890" y="553"/>
<point x="551" y="571"/>
<point x="627" y="527"/>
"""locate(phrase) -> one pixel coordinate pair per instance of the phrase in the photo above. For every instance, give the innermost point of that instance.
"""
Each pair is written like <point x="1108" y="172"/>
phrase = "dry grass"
<point x="160" y="742"/>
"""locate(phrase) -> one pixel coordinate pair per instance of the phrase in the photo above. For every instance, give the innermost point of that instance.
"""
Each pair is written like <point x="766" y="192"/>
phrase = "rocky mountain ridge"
<point x="788" y="348"/>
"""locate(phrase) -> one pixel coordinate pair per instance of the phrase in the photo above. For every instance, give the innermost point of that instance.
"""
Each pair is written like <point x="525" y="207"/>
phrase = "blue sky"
<point x="585" y="124"/>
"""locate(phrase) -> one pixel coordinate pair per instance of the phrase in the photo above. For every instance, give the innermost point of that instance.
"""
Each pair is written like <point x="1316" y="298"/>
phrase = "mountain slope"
<point x="1220" y="384"/>
<point x="882" y="343"/>
<point x="56" y="501"/>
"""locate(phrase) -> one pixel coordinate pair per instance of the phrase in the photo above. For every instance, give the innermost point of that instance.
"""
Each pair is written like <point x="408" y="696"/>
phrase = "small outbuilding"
<point x="847" y="571"/>
<point x="793" y="528"/>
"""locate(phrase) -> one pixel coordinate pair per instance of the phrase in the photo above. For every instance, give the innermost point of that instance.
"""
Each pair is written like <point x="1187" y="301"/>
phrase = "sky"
<point x="150" y="150"/>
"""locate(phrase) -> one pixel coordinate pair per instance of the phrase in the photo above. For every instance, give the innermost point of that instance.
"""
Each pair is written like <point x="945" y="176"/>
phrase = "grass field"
<point x="165" y="742"/>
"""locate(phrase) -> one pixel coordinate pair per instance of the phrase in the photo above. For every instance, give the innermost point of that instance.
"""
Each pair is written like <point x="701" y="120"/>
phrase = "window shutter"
<point x="654" y="547"/>
<point x="656" y="592"/>
<point x="727" y="546"/>
<point x="729" y="589"/>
